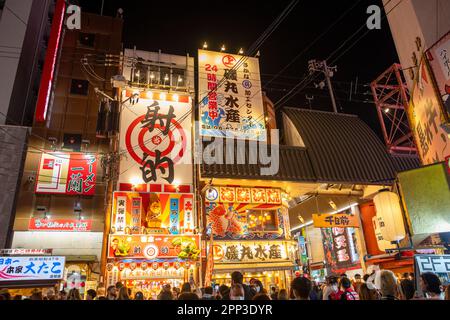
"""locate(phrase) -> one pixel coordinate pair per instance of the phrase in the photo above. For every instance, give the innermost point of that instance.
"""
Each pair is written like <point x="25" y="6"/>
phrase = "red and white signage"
<point x="67" y="173"/>
<point x="26" y="252"/>
<point x="62" y="225"/>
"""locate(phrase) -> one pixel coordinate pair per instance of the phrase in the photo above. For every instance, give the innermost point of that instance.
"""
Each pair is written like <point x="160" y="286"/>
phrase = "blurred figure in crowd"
<point x="74" y="294"/>
<point x="186" y="287"/>
<point x="237" y="292"/>
<point x="208" y="294"/>
<point x="346" y="290"/>
<point x="431" y="286"/>
<point x="301" y="288"/>
<point x="139" y="296"/>
<point x="273" y="293"/>
<point x="387" y="283"/>
<point x="91" y="294"/>
<point x="224" y="292"/>
<point x="331" y="289"/>
<point x="357" y="282"/>
<point x="261" y="297"/>
<point x="282" y="295"/>
<point x="111" y="293"/>
<point x="407" y="289"/>
<point x="188" y="296"/>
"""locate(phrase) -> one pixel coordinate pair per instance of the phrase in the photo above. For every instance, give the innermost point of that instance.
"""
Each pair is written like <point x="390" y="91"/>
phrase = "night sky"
<point x="180" y="27"/>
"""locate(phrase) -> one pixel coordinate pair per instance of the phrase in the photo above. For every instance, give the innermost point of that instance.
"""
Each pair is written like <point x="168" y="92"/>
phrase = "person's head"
<point x="283" y="295"/>
<point x="345" y="283"/>
<point x="50" y="294"/>
<point x="223" y="290"/>
<point x="186" y="287"/>
<point x="36" y="295"/>
<point x="332" y="281"/>
<point x="407" y="288"/>
<point x="357" y="278"/>
<point x="165" y="295"/>
<point x="111" y="292"/>
<point x="123" y="294"/>
<point x="167" y="287"/>
<point x="405" y="275"/>
<point x="74" y="294"/>
<point x="209" y="290"/>
<point x="188" y="296"/>
<point x="175" y="291"/>
<point x="344" y="275"/>
<point x="237" y="278"/>
<point x="273" y="289"/>
<point x="301" y="288"/>
<point x="237" y="292"/>
<point x="261" y="297"/>
<point x="119" y="285"/>
<point x="259" y="288"/>
<point x="387" y="283"/>
<point x="62" y="295"/>
<point x="139" y="296"/>
<point x="91" y="294"/>
<point x="366" y="277"/>
<point x="430" y="283"/>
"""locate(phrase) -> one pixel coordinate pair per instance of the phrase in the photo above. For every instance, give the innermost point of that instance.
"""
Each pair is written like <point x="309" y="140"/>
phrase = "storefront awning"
<point x="251" y="267"/>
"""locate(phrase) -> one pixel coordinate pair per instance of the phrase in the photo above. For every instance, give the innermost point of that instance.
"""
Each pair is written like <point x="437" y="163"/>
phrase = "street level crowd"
<point x="381" y="285"/>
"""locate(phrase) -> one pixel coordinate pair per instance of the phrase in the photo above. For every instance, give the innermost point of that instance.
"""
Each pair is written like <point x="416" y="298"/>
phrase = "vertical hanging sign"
<point x="174" y="216"/>
<point x="120" y="222"/>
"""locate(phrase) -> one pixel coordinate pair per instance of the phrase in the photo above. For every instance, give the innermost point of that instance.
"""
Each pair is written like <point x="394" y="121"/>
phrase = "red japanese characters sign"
<point x="67" y="173"/>
<point x="67" y="225"/>
<point x="154" y="247"/>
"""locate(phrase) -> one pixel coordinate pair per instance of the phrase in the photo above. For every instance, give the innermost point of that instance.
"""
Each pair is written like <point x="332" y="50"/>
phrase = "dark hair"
<point x="208" y="290"/>
<point x="188" y="296"/>
<point x="102" y="298"/>
<point x="407" y="288"/>
<point x="186" y="287"/>
<point x="357" y="275"/>
<point x="139" y="296"/>
<point x="165" y="295"/>
<point x="302" y="286"/>
<point x="432" y="282"/>
<point x="261" y="297"/>
<point x="237" y="277"/>
<point x="366" y="277"/>
<point x="259" y="284"/>
<point x="92" y="293"/>
<point x="343" y="275"/>
<point x="332" y="280"/>
<point x="119" y="285"/>
<point x="224" y="290"/>
<point x="345" y="283"/>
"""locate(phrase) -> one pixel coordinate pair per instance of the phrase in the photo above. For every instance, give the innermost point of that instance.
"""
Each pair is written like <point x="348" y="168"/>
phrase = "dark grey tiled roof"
<point x="339" y="148"/>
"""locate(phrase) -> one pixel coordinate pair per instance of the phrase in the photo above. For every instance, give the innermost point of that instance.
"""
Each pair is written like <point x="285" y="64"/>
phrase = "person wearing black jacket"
<point x="238" y="278"/>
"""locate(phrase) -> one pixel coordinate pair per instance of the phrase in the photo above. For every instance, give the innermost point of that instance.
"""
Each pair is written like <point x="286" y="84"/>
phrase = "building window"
<point x="87" y="40"/>
<point x="79" y="87"/>
<point x="262" y="221"/>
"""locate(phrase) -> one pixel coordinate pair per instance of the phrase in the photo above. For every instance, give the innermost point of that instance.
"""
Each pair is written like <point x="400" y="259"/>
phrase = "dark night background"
<point x="180" y="27"/>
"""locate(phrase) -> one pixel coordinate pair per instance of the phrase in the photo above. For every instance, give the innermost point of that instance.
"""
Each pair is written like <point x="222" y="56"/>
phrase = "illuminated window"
<point x="262" y="220"/>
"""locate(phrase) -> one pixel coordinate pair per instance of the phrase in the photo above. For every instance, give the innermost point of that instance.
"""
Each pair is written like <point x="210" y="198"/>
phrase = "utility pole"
<point x="321" y="66"/>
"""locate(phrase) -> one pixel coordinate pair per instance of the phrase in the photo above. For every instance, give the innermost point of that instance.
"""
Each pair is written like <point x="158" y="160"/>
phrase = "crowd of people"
<point x="383" y="285"/>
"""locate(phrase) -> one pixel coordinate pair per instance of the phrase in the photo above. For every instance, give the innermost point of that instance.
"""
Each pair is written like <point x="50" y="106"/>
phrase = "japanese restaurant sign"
<point x="439" y="57"/>
<point x="63" y="225"/>
<point x="340" y="248"/>
<point x="230" y="96"/>
<point x="31" y="268"/>
<point x="341" y="220"/>
<point x="155" y="134"/>
<point x="244" y="195"/>
<point x="67" y="173"/>
<point x="137" y="212"/>
<point x="154" y="247"/>
<point x="253" y="251"/>
<point x="427" y="116"/>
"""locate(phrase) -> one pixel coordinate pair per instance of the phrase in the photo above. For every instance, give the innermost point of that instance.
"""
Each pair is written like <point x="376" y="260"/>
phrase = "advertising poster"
<point x="340" y="249"/>
<point x="439" y="57"/>
<point x="427" y="118"/>
<point x="230" y="96"/>
<point x="154" y="247"/>
<point x="67" y="173"/>
<point x="142" y="212"/>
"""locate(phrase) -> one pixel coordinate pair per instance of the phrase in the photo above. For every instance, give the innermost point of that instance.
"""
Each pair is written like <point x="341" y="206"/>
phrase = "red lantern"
<point x="144" y="266"/>
<point x="121" y="266"/>
<point x="166" y="265"/>
<point x="155" y="265"/>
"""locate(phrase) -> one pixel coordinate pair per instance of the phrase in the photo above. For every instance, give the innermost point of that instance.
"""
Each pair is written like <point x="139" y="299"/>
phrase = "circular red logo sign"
<point x="228" y="61"/>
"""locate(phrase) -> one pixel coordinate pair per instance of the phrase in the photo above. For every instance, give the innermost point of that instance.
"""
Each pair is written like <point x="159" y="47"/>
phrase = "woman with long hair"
<point x="74" y="294"/>
<point x="123" y="294"/>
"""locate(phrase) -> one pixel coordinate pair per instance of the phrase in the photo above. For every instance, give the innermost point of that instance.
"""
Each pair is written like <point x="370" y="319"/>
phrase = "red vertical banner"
<point x="82" y="175"/>
<point x="51" y="57"/>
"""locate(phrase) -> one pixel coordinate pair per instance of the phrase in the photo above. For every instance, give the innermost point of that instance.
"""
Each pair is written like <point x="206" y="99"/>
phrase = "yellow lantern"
<point x="390" y="216"/>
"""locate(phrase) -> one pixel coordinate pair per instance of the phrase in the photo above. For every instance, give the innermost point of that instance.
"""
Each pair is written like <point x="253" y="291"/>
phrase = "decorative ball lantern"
<point x="389" y="212"/>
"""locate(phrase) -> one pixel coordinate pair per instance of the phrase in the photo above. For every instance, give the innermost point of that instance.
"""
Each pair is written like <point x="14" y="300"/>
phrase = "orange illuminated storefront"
<point x="249" y="227"/>
<point x="152" y="241"/>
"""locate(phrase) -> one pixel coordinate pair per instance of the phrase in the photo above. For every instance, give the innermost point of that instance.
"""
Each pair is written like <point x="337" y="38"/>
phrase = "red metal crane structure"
<point x="391" y="96"/>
